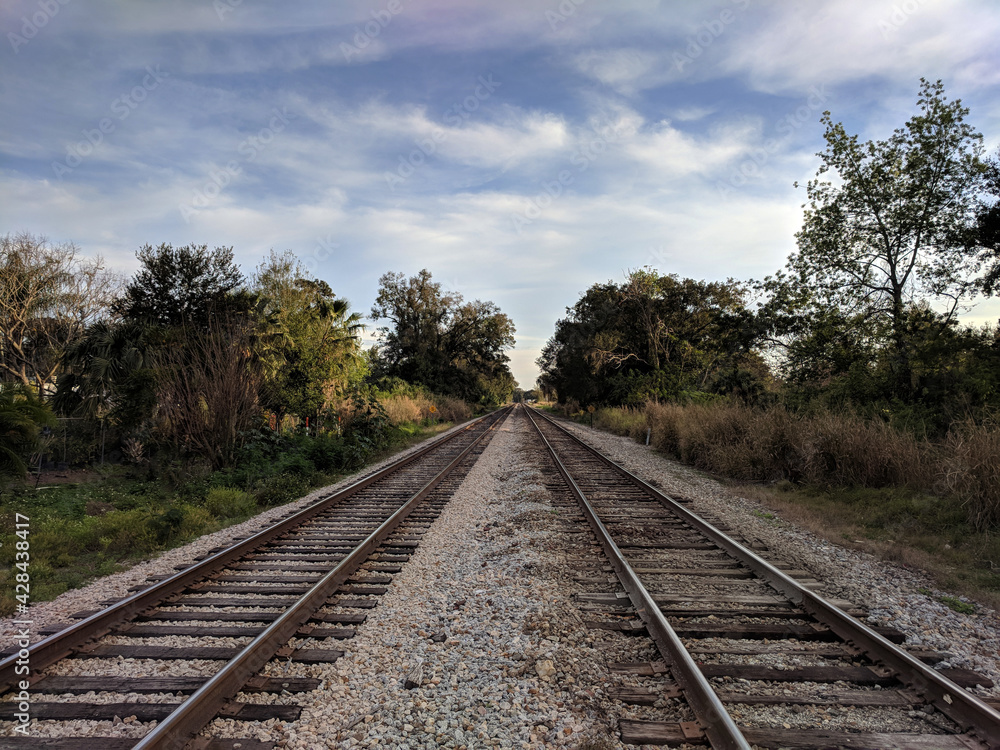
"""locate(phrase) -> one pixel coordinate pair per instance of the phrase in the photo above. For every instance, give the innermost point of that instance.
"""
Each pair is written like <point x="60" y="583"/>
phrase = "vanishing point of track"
<point x="707" y="601"/>
<point x="290" y="581"/>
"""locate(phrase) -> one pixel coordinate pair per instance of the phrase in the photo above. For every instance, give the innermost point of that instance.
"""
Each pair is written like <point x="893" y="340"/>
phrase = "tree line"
<point x="899" y="237"/>
<point x="192" y="357"/>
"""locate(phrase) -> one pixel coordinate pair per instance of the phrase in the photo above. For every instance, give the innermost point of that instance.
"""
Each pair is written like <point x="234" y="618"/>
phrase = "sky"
<point x="520" y="150"/>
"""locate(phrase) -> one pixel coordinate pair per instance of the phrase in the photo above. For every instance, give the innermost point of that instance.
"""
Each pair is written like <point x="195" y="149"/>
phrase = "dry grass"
<point x="970" y="471"/>
<point x="401" y="409"/>
<point x="832" y="450"/>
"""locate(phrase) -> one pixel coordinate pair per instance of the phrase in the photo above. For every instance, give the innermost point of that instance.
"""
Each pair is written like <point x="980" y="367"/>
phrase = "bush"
<point x="130" y="532"/>
<point x="325" y="452"/>
<point x="227" y="502"/>
<point x="276" y="490"/>
<point x="625" y="421"/>
<point x="970" y="470"/>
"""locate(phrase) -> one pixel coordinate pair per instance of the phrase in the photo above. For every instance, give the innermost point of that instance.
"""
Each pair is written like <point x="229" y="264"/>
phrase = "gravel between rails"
<point x="503" y="617"/>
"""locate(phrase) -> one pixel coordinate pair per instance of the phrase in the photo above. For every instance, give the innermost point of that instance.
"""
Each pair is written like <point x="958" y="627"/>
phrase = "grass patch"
<point x="897" y="524"/>
<point x="84" y="531"/>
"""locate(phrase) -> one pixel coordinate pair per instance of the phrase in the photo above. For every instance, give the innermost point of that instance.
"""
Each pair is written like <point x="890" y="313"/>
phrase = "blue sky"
<point x="520" y="150"/>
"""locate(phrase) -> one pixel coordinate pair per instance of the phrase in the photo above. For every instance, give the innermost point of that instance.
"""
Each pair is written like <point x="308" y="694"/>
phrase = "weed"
<point x="226" y="502"/>
<point x="957" y="605"/>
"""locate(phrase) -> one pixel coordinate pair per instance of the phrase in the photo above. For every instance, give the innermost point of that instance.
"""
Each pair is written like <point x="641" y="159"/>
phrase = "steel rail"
<point x="718" y="725"/>
<point x="965" y="709"/>
<point x="67" y="641"/>
<point x="178" y="729"/>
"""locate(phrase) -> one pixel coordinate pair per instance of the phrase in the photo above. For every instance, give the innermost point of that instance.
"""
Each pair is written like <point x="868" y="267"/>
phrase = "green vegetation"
<point x="128" y="513"/>
<point x="202" y="396"/>
<point x="844" y="382"/>
<point x="437" y="340"/>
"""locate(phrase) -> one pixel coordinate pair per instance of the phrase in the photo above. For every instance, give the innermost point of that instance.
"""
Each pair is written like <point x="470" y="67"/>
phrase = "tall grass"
<point x="838" y="450"/>
<point x="401" y="408"/>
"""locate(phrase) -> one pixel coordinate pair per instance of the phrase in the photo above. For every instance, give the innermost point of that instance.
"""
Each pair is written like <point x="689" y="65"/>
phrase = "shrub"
<point x="452" y="409"/>
<point x="625" y="421"/>
<point x="325" y="452"/>
<point x="297" y="465"/>
<point x="970" y="470"/>
<point x="198" y="521"/>
<point x="128" y="532"/>
<point x="279" y="489"/>
<point x="227" y="502"/>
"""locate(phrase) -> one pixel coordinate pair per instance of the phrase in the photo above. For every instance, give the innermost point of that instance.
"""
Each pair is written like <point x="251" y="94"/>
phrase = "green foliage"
<point x="227" y="502"/>
<point x="894" y="232"/>
<point x="654" y="337"/>
<point x="437" y="340"/>
<point x="319" y="343"/>
<point x="22" y="414"/>
<point x="957" y="605"/>
<point x="109" y="373"/>
<point x="183" y="285"/>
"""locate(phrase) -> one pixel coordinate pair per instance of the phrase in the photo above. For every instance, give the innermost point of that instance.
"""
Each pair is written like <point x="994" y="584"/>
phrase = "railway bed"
<point x="782" y="676"/>
<point x="292" y="592"/>
<point x="734" y="631"/>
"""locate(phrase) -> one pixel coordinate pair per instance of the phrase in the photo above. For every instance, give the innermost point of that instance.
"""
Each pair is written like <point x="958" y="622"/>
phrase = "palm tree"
<point x="21" y="416"/>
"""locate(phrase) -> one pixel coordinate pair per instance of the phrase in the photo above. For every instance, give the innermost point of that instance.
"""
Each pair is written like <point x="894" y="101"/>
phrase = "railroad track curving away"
<point x="708" y="602"/>
<point x="291" y="592"/>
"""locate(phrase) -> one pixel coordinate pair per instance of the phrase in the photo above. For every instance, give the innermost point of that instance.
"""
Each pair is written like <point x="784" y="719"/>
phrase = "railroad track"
<point x="744" y="643"/>
<point x="201" y="637"/>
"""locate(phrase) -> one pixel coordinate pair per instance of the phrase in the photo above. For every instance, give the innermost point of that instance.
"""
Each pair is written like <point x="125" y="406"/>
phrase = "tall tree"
<point x="318" y="341"/>
<point x="48" y="296"/>
<point x="653" y="337"/>
<point x="436" y="339"/>
<point x="183" y="285"/>
<point x="108" y="373"/>
<point x="989" y="226"/>
<point x="897" y="224"/>
<point x="209" y="383"/>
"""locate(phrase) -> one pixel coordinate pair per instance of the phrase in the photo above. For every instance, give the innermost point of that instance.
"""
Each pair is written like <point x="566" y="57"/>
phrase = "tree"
<point x="317" y="338"/>
<point x="897" y="224"/>
<point x="109" y="372"/>
<point x="209" y="381"/>
<point x="436" y="339"/>
<point x="21" y="415"/>
<point x="48" y="295"/>
<point x="183" y="285"/>
<point x="988" y="220"/>
<point x="653" y="337"/>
